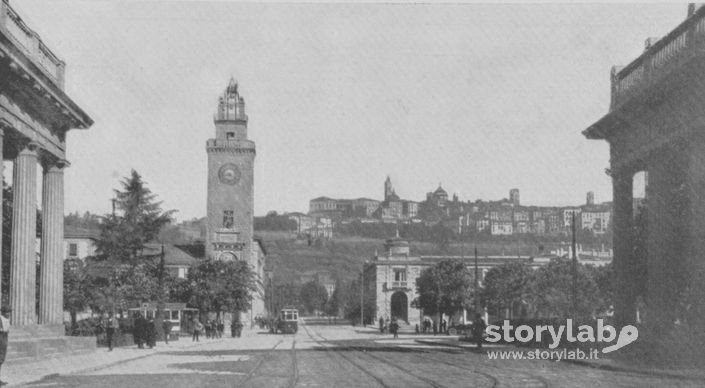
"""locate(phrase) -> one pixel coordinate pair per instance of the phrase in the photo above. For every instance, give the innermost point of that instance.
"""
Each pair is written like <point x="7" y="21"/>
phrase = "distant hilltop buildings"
<point x="503" y="217"/>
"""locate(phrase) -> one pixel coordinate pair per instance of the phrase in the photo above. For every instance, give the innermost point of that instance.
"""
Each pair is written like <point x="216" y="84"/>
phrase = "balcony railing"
<point x="660" y="59"/>
<point x="27" y="41"/>
<point x="399" y="284"/>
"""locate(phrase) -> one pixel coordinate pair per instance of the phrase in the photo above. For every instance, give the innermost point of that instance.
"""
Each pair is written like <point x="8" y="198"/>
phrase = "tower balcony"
<point x="667" y="65"/>
<point x="14" y="31"/>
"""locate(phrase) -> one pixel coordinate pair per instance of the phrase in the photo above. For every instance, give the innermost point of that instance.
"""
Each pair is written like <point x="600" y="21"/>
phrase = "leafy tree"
<point x="553" y="289"/>
<point x="77" y="287"/>
<point x="313" y="296"/>
<point x="220" y="286"/>
<point x="123" y="237"/>
<point x="444" y="288"/>
<point x="604" y="277"/>
<point x="506" y="286"/>
<point x="352" y="303"/>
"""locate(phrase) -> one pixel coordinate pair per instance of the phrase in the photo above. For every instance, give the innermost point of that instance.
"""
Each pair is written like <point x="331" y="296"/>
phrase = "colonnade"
<point x="23" y="275"/>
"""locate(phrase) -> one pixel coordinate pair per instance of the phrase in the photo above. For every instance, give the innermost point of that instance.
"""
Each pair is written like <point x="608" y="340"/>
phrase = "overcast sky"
<point x="480" y="98"/>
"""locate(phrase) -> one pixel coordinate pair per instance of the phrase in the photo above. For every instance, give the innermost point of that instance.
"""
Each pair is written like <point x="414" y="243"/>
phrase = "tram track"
<point x="293" y="377"/>
<point x="492" y="381"/>
<point x="379" y="380"/>
<point x="259" y="363"/>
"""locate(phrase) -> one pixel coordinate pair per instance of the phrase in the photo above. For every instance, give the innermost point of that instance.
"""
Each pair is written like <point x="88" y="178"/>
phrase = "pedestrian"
<point x="4" y="332"/>
<point x="197" y="327"/>
<point x="386" y="324"/>
<point x="394" y="328"/>
<point x="111" y="324"/>
<point x="139" y="331"/>
<point x="435" y="328"/>
<point x="443" y="326"/>
<point x="236" y="328"/>
<point x="166" y="328"/>
<point x="416" y="329"/>
<point x="151" y="333"/>
<point x="220" y="327"/>
<point x="478" y="330"/>
<point x="381" y="325"/>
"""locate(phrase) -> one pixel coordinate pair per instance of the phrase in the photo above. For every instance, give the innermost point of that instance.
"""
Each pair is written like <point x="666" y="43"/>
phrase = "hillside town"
<point x="151" y="258"/>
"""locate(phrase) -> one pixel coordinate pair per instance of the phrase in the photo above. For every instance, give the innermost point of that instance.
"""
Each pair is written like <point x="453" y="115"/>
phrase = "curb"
<point x="593" y="365"/>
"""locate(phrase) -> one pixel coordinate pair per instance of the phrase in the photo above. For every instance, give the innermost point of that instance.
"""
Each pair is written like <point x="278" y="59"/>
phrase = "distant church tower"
<point x="388" y="189"/>
<point x="231" y="157"/>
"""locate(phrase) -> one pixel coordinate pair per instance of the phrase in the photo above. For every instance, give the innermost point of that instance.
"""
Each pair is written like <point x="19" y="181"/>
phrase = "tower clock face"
<point x="229" y="174"/>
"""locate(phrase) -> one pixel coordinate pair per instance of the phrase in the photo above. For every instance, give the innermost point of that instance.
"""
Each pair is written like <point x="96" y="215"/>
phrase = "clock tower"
<point x="231" y="157"/>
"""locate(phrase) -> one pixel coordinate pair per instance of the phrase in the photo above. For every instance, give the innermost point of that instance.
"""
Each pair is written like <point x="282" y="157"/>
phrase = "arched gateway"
<point x="400" y="305"/>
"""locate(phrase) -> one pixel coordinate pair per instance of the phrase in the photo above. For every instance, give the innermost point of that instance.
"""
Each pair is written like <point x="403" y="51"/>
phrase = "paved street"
<point x="326" y="356"/>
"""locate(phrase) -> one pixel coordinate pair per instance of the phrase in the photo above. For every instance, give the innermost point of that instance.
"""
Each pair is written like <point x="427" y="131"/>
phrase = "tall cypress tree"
<point x="137" y="220"/>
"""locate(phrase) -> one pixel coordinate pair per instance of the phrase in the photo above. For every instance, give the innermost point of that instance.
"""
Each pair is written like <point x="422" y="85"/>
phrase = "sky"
<point x="479" y="98"/>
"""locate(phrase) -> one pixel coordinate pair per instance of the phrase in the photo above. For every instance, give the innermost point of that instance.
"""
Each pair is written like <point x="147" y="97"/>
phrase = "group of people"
<point x="144" y="332"/>
<point x="428" y="327"/>
<point x="392" y="326"/>
<point x="213" y="328"/>
<point x="477" y="329"/>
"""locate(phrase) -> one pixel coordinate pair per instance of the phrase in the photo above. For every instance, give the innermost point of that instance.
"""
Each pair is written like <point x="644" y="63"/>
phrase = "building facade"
<point x="391" y="278"/>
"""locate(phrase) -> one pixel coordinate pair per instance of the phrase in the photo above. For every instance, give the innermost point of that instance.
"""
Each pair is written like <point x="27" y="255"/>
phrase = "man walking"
<point x="111" y="324"/>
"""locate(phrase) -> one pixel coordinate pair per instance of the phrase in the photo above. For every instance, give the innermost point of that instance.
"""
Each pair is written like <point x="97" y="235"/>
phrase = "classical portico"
<point x="35" y="115"/>
<point x="656" y="124"/>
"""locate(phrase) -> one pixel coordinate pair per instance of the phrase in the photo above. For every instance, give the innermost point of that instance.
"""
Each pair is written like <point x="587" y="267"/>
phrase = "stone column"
<point x="24" y="235"/>
<point x="51" y="305"/>
<point x="668" y="242"/>
<point x="623" y="241"/>
<point x="2" y="140"/>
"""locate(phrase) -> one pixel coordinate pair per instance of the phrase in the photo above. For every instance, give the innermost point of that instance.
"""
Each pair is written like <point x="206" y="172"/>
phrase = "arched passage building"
<point x="35" y="115"/>
<point x="656" y="124"/>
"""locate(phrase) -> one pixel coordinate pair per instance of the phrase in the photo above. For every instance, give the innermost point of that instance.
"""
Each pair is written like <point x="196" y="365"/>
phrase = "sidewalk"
<point x="22" y="373"/>
<point x="610" y="364"/>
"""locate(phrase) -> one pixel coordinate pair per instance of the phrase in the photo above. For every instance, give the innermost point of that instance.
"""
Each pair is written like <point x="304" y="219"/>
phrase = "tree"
<point x="352" y="303"/>
<point x="444" y="288"/>
<point x="123" y="237"/>
<point x="337" y="300"/>
<point x="77" y="287"/>
<point x="506" y="286"/>
<point x="313" y="296"/>
<point x="553" y="289"/>
<point x="220" y="286"/>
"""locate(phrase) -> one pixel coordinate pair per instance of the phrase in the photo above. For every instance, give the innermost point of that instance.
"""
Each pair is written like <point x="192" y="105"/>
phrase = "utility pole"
<point x="160" y="293"/>
<point x="575" y="271"/>
<point x="362" y="295"/>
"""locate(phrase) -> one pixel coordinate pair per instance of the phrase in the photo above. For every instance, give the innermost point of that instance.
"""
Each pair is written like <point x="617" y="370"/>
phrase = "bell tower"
<point x="231" y="157"/>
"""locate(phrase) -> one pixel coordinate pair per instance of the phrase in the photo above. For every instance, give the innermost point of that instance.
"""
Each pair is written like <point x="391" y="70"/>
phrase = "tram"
<point x="288" y="321"/>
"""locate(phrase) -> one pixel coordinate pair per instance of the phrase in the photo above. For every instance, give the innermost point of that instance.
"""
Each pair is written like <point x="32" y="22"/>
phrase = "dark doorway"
<point x="400" y="306"/>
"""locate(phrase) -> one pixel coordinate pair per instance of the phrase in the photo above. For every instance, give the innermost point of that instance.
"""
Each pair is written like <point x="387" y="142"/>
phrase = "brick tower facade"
<point x="231" y="157"/>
